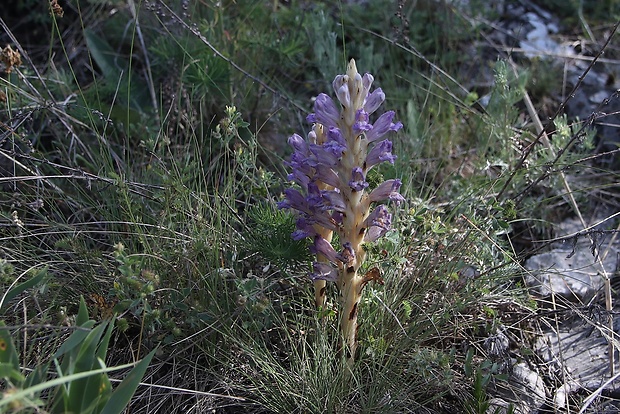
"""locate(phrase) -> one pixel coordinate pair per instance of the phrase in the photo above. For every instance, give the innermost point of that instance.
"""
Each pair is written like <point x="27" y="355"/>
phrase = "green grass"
<point x="141" y="156"/>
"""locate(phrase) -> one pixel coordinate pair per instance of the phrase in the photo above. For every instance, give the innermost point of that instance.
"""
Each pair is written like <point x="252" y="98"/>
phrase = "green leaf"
<point x="25" y="393"/>
<point x="33" y="281"/>
<point x="82" y="316"/>
<point x="37" y="376"/>
<point x="75" y="339"/>
<point x="84" y="391"/>
<point x="102" y="351"/>
<point x="8" y="371"/>
<point x="123" y="393"/>
<point x="83" y="395"/>
<point x="8" y="354"/>
<point x="104" y="55"/>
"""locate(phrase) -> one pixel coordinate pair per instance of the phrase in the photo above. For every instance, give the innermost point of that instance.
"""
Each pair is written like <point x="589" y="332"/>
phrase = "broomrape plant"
<point x="330" y="168"/>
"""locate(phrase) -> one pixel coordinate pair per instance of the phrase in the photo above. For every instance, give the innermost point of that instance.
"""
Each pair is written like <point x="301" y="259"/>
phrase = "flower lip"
<point x="323" y="271"/>
<point x="387" y="190"/>
<point x="381" y="152"/>
<point x="347" y="256"/>
<point x="382" y="126"/>
<point x="358" y="181"/>
<point x="361" y="123"/>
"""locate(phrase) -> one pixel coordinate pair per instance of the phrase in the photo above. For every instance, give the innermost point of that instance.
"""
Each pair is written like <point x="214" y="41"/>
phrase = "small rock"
<point x="576" y="276"/>
<point x="525" y="389"/>
<point x="580" y="350"/>
<point x="498" y="406"/>
<point x="570" y="269"/>
<point x="497" y="345"/>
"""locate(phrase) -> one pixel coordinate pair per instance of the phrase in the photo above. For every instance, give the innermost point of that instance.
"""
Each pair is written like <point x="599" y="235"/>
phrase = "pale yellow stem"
<point x="350" y="282"/>
<point x="352" y="295"/>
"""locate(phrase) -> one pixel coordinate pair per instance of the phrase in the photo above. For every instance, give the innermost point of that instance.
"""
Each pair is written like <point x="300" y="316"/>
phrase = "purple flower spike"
<point x="358" y="181"/>
<point x="330" y="166"/>
<point x="323" y="271"/>
<point x="387" y="190"/>
<point x="380" y="153"/>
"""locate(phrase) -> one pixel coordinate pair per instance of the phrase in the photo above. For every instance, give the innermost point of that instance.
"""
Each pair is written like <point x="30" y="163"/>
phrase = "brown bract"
<point x="10" y="58"/>
<point x="56" y="8"/>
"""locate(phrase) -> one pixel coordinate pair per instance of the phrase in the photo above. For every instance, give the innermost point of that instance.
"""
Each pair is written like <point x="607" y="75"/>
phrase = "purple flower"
<point x="325" y="111"/>
<point x="332" y="200"/>
<point x="361" y="123"/>
<point x="323" y="154"/>
<point x="387" y="190"/>
<point x="298" y="143"/>
<point x="314" y="197"/>
<point x="379" y="153"/>
<point x="367" y="80"/>
<point x="327" y="175"/>
<point x="324" y="271"/>
<point x="358" y="181"/>
<point x="344" y="96"/>
<point x="304" y="229"/>
<point x="335" y="148"/>
<point x="294" y="199"/>
<point x="301" y="169"/>
<point x="341" y="88"/>
<point x="336" y="144"/>
<point x="347" y="256"/>
<point x="378" y="223"/>
<point x="321" y="218"/>
<point x="382" y="126"/>
<point x="300" y="235"/>
<point x="374" y="100"/>
<point x="323" y="247"/>
<point x="335" y="135"/>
